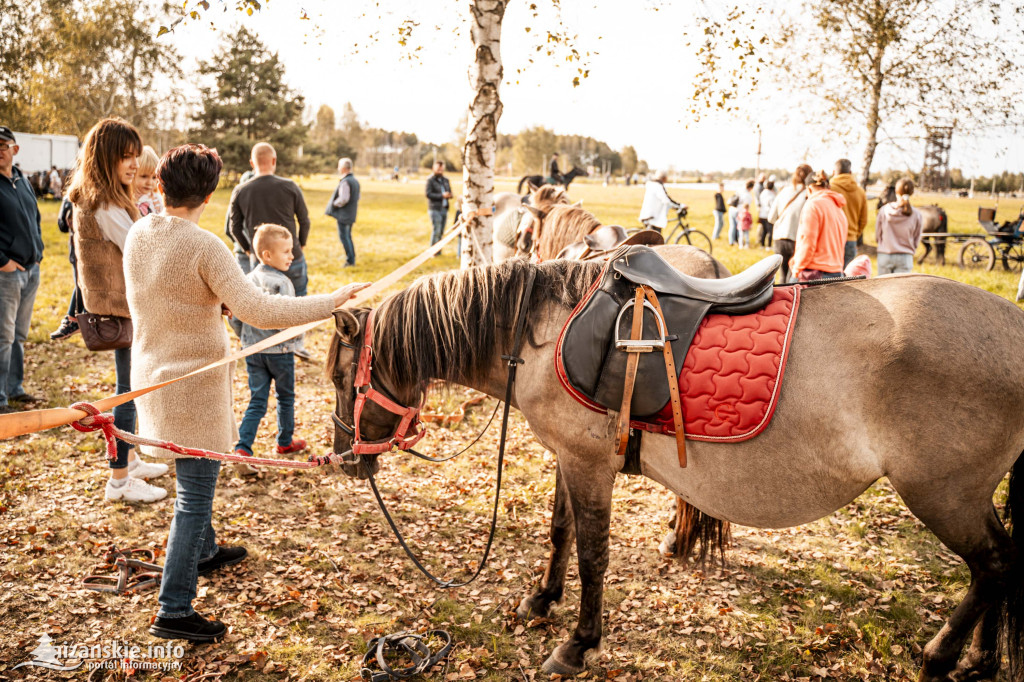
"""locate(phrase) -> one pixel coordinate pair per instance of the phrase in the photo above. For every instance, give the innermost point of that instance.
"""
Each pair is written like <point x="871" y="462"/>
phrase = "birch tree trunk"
<point x="480" y="152"/>
<point x="873" y="120"/>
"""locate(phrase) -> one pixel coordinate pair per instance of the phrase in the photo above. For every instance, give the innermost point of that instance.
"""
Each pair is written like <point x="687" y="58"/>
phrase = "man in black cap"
<point x="21" y="249"/>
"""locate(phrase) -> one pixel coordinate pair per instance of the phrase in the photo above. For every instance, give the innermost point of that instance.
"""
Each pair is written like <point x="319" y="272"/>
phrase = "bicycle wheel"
<point x="694" y="238"/>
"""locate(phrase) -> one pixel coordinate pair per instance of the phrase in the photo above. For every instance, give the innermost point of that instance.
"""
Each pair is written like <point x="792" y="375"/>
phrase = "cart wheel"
<point x="694" y="238"/>
<point x="1013" y="257"/>
<point x="977" y="254"/>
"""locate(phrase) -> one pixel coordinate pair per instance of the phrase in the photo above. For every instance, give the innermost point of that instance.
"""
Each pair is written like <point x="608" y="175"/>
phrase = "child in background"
<point x="273" y="246"/>
<point x="146" y="197"/>
<point x="743" y="223"/>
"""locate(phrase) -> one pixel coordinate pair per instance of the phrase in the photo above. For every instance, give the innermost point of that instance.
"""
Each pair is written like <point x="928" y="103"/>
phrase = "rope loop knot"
<point x="97" y="421"/>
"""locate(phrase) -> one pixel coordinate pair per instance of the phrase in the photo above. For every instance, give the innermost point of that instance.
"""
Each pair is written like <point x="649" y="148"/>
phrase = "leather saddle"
<point x="606" y="239"/>
<point x="604" y="336"/>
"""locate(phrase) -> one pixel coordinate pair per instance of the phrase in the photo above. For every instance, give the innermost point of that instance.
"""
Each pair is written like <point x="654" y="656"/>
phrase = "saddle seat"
<point x="735" y="295"/>
<point x="589" y="356"/>
<point x="603" y="241"/>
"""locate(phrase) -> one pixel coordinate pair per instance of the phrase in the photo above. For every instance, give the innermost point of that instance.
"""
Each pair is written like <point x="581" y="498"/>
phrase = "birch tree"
<point x="483" y="24"/>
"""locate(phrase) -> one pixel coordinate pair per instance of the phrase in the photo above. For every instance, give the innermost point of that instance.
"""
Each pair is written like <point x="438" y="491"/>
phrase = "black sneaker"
<point x="8" y="409"/>
<point x="193" y="628"/>
<point x="225" y="556"/>
<point x="24" y="399"/>
<point x="67" y="329"/>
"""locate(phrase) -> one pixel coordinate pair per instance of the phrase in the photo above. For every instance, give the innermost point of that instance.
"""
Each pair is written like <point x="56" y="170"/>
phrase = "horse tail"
<point x="693" y="526"/>
<point x="1013" y="518"/>
<point x="519" y="187"/>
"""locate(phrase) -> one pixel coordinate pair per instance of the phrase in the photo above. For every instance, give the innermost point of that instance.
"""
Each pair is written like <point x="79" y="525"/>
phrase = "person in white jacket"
<point x="654" y="211"/>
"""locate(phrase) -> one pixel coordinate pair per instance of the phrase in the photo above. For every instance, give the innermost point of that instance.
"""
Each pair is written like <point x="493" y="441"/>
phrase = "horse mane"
<point x="564" y="225"/>
<point x="451" y="325"/>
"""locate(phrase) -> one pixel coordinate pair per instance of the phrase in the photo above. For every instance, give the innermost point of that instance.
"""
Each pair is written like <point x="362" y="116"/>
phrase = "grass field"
<point x="852" y="596"/>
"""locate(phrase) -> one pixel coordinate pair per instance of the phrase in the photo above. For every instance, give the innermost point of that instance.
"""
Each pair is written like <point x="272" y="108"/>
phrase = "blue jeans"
<point x="895" y="263"/>
<point x="734" y="232"/>
<point x="17" y="294"/>
<point x="719" y="223"/>
<point x="244" y="261"/>
<point x="437" y="219"/>
<point x="345" y="235"/>
<point x="264" y="368"/>
<point x="124" y="415"/>
<point x="191" y="538"/>
<point x="849" y="252"/>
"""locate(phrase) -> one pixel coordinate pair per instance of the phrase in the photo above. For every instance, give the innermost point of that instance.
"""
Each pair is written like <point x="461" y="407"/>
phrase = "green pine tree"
<point x="249" y="102"/>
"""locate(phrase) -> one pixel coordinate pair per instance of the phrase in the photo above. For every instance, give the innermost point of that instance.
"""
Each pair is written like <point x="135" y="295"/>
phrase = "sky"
<point x="638" y="91"/>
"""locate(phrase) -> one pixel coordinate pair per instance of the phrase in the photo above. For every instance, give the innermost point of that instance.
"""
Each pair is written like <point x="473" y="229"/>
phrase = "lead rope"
<point x="513" y="363"/>
<point x="105" y="423"/>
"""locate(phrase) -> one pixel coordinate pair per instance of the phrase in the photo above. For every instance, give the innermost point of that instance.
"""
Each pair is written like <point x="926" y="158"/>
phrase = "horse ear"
<point x="533" y="209"/>
<point x="532" y="187"/>
<point x="346" y="323"/>
<point x="578" y="204"/>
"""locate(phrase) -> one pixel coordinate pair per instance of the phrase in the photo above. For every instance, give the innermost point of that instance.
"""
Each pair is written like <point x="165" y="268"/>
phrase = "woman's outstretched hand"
<point x="348" y="291"/>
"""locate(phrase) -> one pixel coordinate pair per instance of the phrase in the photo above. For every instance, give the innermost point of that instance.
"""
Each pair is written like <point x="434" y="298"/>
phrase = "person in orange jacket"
<point x="821" y="237"/>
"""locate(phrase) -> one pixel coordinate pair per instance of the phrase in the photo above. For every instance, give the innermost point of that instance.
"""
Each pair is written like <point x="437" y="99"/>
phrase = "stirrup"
<point x="135" y="572"/>
<point x="641" y="345"/>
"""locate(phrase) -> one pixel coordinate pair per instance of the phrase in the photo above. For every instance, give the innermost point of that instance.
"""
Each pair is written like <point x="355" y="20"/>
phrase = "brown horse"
<point x="513" y="214"/>
<point x="553" y="230"/>
<point x="944" y="439"/>
<point x="933" y="218"/>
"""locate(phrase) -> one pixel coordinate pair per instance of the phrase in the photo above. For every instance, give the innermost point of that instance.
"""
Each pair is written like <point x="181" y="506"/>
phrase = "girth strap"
<point x="673" y="386"/>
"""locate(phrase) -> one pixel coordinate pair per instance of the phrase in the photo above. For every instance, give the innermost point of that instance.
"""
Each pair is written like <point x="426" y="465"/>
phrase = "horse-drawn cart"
<point x="1003" y="241"/>
<point x="979" y="251"/>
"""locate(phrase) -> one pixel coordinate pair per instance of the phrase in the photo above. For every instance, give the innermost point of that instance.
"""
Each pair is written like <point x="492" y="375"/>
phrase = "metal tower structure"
<point x="935" y="173"/>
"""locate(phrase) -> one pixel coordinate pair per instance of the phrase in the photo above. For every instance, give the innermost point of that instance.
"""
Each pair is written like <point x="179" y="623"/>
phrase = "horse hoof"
<point x="556" y="666"/>
<point x="532" y="607"/>
<point x="977" y="668"/>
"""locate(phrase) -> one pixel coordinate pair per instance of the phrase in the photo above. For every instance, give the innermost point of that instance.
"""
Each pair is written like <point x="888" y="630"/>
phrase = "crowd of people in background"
<point x="816" y="222"/>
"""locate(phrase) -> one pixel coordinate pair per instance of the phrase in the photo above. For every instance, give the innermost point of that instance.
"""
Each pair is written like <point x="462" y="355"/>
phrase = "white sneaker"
<point x="146" y="469"/>
<point x="135" y="490"/>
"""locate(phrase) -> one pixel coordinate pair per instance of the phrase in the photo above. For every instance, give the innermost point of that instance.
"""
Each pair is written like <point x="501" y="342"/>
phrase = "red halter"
<point x="409" y="430"/>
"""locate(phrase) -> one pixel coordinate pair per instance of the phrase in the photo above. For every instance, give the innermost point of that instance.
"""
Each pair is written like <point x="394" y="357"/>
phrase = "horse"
<point x="543" y="234"/>
<point x="512" y="213"/>
<point x="564" y="181"/>
<point x="934" y="219"/>
<point x="889" y="362"/>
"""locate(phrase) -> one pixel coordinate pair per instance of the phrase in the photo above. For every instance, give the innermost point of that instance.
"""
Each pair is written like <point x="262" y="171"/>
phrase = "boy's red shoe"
<point x="297" y="445"/>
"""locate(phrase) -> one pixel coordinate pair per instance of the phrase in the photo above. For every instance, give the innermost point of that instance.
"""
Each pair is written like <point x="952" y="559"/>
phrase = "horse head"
<point x="530" y="227"/>
<point x="349" y="362"/>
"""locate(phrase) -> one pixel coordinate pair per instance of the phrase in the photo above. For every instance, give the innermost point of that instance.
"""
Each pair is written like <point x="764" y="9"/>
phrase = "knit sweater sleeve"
<point x="249" y="303"/>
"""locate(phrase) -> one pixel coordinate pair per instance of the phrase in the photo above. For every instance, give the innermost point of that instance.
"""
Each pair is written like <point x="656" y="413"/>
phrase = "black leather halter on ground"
<point x="514" y="361"/>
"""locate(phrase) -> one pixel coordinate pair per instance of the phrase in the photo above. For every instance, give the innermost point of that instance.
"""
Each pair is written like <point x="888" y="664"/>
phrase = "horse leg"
<point x="977" y="536"/>
<point x="563" y="532"/>
<point x="983" y="657"/>
<point x="590" y="492"/>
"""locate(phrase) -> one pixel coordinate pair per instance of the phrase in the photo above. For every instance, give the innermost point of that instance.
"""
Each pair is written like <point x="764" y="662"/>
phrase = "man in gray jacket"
<point x="343" y="206"/>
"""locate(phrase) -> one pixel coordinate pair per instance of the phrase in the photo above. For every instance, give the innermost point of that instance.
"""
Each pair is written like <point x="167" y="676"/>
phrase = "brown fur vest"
<point x="100" y="269"/>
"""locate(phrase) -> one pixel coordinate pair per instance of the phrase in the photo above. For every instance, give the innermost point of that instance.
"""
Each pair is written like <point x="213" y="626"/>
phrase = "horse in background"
<point x="537" y="180"/>
<point x="513" y="213"/>
<point x="933" y="220"/>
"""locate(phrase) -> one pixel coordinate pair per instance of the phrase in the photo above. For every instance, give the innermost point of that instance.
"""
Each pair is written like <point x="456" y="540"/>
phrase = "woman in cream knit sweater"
<point x="178" y="276"/>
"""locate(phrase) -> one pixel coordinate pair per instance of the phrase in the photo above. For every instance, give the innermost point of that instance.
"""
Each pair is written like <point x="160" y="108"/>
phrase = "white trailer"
<point x="41" y="152"/>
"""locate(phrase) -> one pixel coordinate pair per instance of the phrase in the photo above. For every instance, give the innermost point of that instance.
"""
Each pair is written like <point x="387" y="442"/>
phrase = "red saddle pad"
<point x="732" y="373"/>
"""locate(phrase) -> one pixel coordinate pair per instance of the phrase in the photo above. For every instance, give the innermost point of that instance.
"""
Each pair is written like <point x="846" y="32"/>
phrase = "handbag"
<point x="105" y="332"/>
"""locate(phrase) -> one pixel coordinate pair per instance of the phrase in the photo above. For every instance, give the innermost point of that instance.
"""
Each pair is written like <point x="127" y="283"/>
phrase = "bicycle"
<point x="682" y="233"/>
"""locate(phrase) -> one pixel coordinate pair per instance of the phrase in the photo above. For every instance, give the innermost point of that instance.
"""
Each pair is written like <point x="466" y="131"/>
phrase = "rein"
<point x="513" y="361"/>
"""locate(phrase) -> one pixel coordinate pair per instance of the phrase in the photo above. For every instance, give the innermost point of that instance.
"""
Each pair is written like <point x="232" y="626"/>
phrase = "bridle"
<point x="410" y="419"/>
<point x="538" y="219"/>
<point x="409" y="429"/>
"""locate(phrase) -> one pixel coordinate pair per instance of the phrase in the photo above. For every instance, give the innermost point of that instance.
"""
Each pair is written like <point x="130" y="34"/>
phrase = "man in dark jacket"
<point x="267" y="198"/>
<point x="21" y="249"/>
<point x="439" y="191"/>
<point x="556" y="175"/>
<point x="343" y="206"/>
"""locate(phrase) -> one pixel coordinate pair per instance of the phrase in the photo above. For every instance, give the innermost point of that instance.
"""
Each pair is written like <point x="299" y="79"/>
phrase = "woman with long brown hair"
<point x="101" y="191"/>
